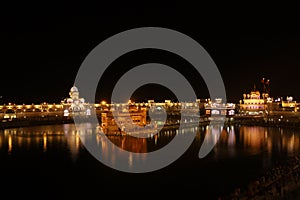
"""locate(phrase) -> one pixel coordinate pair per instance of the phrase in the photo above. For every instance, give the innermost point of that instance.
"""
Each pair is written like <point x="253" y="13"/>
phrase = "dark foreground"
<point x="50" y="162"/>
<point x="280" y="182"/>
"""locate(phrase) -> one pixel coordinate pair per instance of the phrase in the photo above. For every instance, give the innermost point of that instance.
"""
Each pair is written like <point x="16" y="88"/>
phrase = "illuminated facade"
<point x="67" y="107"/>
<point x="24" y="111"/>
<point x="254" y="103"/>
<point x="283" y="106"/>
<point x="127" y="118"/>
<point x="217" y="108"/>
<point x="289" y="104"/>
<point x="75" y="105"/>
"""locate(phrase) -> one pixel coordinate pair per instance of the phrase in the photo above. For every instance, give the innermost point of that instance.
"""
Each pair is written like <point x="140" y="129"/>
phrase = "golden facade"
<point x="253" y="104"/>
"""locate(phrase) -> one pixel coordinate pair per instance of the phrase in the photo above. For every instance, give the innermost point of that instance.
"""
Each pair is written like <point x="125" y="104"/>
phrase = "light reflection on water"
<point x="233" y="141"/>
<point x="40" y="139"/>
<point x="52" y="151"/>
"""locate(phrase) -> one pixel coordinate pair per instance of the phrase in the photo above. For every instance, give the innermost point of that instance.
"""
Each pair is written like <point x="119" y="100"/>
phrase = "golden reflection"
<point x="291" y="144"/>
<point x="231" y="137"/>
<point x="215" y="134"/>
<point x="45" y="142"/>
<point x="155" y="139"/>
<point x="253" y="137"/>
<point x="28" y="142"/>
<point x="296" y="143"/>
<point x="41" y="138"/>
<point x="9" y="143"/>
<point x="223" y="135"/>
<point x="19" y="141"/>
<point x="110" y="153"/>
<point x="231" y="141"/>
<point x="73" y="140"/>
<point x="77" y="141"/>
<point x="130" y="143"/>
<point x="269" y="144"/>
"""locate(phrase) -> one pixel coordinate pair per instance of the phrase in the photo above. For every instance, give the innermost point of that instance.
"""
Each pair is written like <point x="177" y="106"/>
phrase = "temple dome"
<point x="74" y="89"/>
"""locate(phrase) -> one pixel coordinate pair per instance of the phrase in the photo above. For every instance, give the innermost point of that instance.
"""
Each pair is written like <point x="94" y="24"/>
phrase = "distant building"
<point x="217" y="108"/>
<point x="74" y="104"/>
<point x="135" y="115"/>
<point x="254" y="103"/>
<point x="283" y="106"/>
<point x="289" y="104"/>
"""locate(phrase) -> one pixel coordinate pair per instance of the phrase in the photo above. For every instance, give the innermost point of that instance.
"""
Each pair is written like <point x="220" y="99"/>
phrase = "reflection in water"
<point x="231" y="137"/>
<point x="277" y="140"/>
<point x="130" y="143"/>
<point x="9" y="143"/>
<point x="72" y="139"/>
<point x="253" y="137"/>
<point x="40" y="139"/>
<point x="45" y="142"/>
<point x="53" y="151"/>
<point x="231" y="141"/>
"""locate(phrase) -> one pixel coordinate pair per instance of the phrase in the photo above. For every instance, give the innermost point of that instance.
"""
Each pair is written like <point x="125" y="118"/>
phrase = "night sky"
<point x="43" y="46"/>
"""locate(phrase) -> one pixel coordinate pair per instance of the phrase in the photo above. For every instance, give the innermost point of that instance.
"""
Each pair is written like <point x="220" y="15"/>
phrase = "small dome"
<point x="81" y="100"/>
<point x="74" y="89"/>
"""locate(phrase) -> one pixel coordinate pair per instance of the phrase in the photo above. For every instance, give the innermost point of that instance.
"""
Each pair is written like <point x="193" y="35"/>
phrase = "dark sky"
<point x="42" y="46"/>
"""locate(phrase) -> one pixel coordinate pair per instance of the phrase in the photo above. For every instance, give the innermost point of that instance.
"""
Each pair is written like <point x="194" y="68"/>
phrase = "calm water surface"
<point x="51" y="162"/>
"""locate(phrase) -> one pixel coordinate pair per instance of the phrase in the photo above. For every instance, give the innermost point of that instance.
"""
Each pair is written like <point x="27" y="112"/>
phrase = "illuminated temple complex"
<point x="255" y="103"/>
<point x="74" y="104"/>
<point x="69" y="106"/>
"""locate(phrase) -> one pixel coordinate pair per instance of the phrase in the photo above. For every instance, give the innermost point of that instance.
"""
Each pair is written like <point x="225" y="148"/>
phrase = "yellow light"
<point x="9" y="143"/>
<point x="103" y="102"/>
<point x="44" y="141"/>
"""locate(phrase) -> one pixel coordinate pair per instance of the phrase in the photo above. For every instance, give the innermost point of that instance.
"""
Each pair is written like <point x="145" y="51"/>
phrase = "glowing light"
<point x="44" y="142"/>
<point x="88" y="112"/>
<point x="9" y="143"/>
<point x="66" y="113"/>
